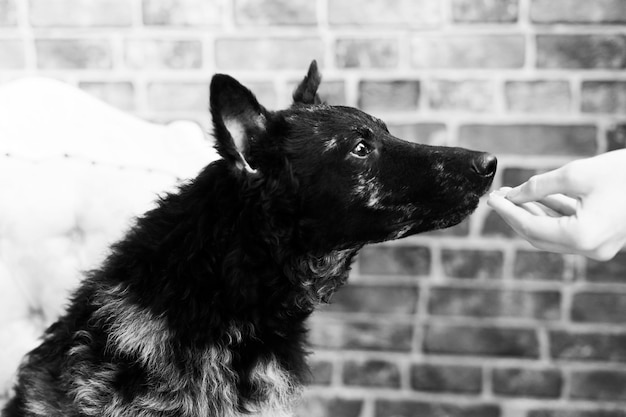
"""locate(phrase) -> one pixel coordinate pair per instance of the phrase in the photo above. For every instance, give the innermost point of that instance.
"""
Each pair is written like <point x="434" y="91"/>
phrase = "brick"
<point x="371" y="373"/>
<point x="119" y="94"/>
<point x="404" y="13"/>
<point x="182" y="12"/>
<point x="575" y="413"/>
<point x="481" y="341"/>
<point x="596" y="307"/>
<point x="535" y="383"/>
<point x="321" y="372"/>
<point x="468" y="51"/>
<point x="374" y="299"/>
<point x="12" y="54"/>
<point x="366" y="53"/>
<point x="426" y="133"/>
<point x="80" y="13"/>
<point x="616" y="137"/>
<point x="268" y="53"/>
<point x="512" y="177"/>
<point x="370" y="336"/>
<point x="581" y="51"/>
<point x="578" y="11"/>
<point x="446" y="378"/>
<point x="538" y="96"/>
<point x="163" y="54"/>
<point x="573" y="140"/>
<point x="494" y="226"/>
<point x="472" y="302"/>
<point x="333" y="92"/>
<point x="8" y="14"/>
<point x="265" y="93"/>
<point x="275" y="12"/>
<point x="73" y="54"/>
<point x="178" y="96"/>
<point x="599" y="385"/>
<point x="194" y="96"/>
<point x="609" y="271"/>
<point x="397" y="95"/>
<point x="477" y="264"/>
<point x="592" y="346"/>
<point x="388" y="408"/>
<point x="533" y="265"/>
<point x="395" y="260"/>
<point x="466" y="95"/>
<point x="604" y="97"/>
<point x="329" y="407"/>
<point x="485" y="11"/>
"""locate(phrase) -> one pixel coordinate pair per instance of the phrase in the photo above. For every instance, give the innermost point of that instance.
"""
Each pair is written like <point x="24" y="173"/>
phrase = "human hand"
<point x="578" y="208"/>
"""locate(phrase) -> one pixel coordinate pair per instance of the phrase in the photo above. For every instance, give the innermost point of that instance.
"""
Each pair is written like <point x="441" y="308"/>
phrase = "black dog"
<point x="200" y="310"/>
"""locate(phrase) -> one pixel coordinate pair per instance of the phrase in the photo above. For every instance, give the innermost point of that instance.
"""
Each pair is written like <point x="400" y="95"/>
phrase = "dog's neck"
<point x="320" y="275"/>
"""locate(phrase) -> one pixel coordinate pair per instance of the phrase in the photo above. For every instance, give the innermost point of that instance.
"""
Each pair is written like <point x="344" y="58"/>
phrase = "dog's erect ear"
<point x="306" y="93"/>
<point x="238" y="119"/>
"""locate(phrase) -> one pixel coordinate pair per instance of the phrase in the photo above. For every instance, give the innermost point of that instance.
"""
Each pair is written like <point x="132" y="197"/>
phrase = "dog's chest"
<point x="274" y="389"/>
<point x="207" y="387"/>
<point x="277" y="389"/>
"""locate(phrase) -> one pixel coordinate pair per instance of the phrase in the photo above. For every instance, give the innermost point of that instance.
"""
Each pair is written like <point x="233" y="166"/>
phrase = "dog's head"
<point x="357" y="183"/>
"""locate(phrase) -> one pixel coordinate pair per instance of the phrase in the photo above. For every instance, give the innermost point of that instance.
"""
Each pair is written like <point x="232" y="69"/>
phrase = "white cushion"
<point x="73" y="173"/>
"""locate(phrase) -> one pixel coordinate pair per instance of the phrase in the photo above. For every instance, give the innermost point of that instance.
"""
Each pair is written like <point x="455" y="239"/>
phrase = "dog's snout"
<point x="484" y="164"/>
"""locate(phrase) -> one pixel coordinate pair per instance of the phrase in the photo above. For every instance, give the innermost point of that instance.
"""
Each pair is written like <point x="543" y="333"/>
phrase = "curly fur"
<point x="200" y="310"/>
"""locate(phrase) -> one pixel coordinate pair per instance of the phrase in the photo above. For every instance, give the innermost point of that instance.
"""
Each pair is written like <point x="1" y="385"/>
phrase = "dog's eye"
<point x="361" y="150"/>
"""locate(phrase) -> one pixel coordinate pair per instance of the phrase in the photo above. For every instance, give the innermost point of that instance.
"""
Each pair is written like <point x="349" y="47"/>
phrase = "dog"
<point x="201" y="309"/>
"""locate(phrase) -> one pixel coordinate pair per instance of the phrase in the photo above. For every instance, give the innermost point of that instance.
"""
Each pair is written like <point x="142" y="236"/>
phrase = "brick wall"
<point x="465" y="322"/>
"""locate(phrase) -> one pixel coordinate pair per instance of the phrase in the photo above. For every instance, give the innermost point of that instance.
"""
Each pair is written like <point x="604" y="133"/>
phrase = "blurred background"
<point x="469" y="321"/>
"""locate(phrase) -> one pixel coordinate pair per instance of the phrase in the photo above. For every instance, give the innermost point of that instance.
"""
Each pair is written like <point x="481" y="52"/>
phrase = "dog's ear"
<point x="306" y="92"/>
<point x="238" y="120"/>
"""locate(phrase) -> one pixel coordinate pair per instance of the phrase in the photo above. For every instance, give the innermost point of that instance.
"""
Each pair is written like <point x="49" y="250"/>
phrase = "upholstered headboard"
<point x="73" y="173"/>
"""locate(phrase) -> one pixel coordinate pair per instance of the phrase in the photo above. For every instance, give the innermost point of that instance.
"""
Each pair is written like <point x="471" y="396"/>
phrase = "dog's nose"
<point x="484" y="164"/>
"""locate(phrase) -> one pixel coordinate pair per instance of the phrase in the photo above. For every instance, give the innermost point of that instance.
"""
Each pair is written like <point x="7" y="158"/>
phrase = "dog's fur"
<point x="200" y="310"/>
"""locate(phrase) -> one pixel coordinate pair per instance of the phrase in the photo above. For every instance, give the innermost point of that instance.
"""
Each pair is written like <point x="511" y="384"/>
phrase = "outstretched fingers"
<point x="543" y="231"/>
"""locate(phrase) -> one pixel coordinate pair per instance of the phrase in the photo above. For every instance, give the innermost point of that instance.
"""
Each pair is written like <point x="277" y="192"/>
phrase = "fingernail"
<point x="512" y="193"/>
